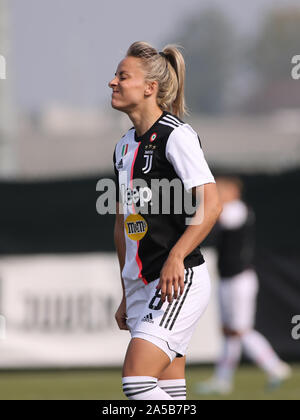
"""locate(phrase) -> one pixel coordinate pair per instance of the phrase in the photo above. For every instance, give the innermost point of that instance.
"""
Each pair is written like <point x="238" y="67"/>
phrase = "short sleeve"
<point x="116" y="177"/>
<point x="184" y="152"/>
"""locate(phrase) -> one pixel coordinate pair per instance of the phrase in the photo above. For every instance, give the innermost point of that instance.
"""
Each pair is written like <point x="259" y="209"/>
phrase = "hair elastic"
<point x="162" y="54"/>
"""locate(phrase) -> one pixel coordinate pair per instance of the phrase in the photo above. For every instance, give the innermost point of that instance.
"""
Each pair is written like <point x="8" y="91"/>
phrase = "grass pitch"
<point x="106" y="385"/>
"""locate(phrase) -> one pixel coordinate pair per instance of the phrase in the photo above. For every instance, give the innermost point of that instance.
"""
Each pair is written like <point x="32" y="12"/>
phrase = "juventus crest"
<point x="148" y="165"/>
<point x="149" y="150"/>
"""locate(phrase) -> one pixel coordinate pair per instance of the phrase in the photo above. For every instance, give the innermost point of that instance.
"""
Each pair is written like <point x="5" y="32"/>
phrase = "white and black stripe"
<point x="177" y="301"/>
<point x="170" y="305"/>
<point x="171" y="121"/>
<point x="188" y="286"/>
<point x="175" y="391"/>
<point x="173" y="118"/>
<point x="173" y="315"/>
<point x="165" y="314"/>
<point x="133" y="388"/>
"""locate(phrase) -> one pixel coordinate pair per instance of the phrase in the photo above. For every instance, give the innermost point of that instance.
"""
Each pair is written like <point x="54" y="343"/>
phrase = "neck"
<point x="143" y="119"/>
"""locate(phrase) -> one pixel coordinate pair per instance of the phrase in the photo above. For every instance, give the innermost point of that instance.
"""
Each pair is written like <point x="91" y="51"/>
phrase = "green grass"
<point x="106" y="385"/>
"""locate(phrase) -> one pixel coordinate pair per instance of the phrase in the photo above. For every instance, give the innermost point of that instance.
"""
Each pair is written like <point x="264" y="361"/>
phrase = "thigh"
<point x="143" y="358"/>
<point x="175" y="322"/>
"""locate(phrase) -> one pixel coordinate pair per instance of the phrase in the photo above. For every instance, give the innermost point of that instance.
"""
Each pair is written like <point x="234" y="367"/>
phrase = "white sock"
<point x="226" y="367"/>
<point x="176" y="388"/>
<point x="260" y="351"/>
<point x="143" y="388"/>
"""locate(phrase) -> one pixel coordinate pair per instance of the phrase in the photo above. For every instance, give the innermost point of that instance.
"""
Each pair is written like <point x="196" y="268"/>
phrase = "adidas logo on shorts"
<point x="148" y="318"/>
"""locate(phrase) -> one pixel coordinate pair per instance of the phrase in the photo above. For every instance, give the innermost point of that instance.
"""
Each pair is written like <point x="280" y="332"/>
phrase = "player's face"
<point x="129" y="85"/>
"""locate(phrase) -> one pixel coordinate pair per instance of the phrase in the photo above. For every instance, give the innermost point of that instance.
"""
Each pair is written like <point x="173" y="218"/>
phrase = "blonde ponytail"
<point x="168" y="69"/>
<point x="176" y="59"/>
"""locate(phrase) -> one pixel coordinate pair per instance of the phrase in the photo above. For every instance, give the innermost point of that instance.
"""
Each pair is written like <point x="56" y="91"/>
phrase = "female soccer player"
<point x="165" y="283"/>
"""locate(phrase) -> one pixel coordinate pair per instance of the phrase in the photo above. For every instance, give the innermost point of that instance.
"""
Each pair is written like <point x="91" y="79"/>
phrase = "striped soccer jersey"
<point x="169" y="150"/>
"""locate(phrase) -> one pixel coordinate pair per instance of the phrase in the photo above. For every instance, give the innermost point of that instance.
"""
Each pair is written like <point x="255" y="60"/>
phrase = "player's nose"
<point x="113" y="82"/>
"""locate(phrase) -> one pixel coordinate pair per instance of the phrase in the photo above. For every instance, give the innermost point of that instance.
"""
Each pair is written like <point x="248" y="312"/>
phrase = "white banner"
<point x="58" y="311"/>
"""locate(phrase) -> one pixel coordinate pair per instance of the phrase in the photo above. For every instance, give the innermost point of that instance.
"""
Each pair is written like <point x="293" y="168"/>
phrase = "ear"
<point x="150" y="88"/>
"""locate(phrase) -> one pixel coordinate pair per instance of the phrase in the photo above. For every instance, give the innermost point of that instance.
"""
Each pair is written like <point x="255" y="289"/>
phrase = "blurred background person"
<point x="238" y="290"/>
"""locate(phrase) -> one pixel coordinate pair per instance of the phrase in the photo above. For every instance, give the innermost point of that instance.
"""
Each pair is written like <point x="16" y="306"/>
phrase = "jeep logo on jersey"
<point x="144" y="195"/>
<point x="136" y="227"/>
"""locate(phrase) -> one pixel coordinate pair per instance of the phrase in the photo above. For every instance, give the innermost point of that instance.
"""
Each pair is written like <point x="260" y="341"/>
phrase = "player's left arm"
<point x="185" y="154"/>
<point x="208" y="210"/>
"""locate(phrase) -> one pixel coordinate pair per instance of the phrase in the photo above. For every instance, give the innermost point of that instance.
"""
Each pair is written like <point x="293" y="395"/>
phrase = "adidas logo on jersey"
<point x="148" y="318"/>
<point x="119" y="165"/>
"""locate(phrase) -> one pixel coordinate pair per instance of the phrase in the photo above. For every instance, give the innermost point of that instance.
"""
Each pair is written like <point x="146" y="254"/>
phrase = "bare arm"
<point x="195" y="234"/>
<point x="172" y="273"/>
<point x="119" y="240"/>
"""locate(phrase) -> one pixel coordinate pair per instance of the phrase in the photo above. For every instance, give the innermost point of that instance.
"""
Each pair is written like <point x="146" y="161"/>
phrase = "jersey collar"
<point x="146" y="136"/>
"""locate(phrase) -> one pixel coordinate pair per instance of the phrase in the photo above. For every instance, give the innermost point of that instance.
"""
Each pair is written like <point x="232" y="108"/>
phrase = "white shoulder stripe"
<point x="171" y="117"/>
<point x="166" y="119"/>
<point x="169" y="124"/>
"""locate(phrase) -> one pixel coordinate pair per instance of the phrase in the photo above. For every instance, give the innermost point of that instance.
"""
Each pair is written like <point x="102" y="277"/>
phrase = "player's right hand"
<point x="121" y="316"/>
